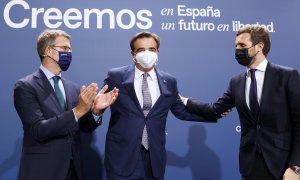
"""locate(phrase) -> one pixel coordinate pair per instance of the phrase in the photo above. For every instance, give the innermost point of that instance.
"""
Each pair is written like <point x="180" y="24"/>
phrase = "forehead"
<point x="244" y="38"/>
<point x="61" y="40"/>
<point x="145" y="42"/>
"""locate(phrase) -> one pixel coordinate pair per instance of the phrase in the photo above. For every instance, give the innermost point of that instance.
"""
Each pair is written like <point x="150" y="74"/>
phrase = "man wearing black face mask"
<point x="267" y="98"/>
<point x="53" y="111"/>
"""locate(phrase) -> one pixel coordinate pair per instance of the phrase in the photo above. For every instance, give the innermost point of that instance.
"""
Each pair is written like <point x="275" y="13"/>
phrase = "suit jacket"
<point x="124" y="136"/>
<point x="276" y="133"/>
<point x="51" y="136"/>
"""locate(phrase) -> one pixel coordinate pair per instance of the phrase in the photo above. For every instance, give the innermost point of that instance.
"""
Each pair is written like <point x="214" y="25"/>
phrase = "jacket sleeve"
<point x="294" y="104"/>
<point x="215" y="109"/>
<point x="182" y="112"/>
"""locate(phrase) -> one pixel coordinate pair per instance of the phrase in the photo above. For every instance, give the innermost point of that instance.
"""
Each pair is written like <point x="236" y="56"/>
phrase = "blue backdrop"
<point x="197" y="47"/>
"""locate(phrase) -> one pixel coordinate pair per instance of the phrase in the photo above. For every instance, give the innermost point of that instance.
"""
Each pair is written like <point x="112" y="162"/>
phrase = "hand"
<point x="103" y="100"/>
<point x="290" y="175"/>
<point x="85" y="99"/>
<point x="226" y="113"/>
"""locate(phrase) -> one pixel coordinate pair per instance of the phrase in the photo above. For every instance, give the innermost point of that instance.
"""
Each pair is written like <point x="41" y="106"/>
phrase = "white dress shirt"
<point x="260" y="76"/>
<point x="49" y="76"/>
<point x="152" y="83"/>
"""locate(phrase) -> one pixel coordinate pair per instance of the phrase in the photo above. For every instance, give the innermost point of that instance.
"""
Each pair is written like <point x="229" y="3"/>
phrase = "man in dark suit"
<point x="53" y="111"/>
<point x="267" y="98"/>
<point x="135" y="141"/>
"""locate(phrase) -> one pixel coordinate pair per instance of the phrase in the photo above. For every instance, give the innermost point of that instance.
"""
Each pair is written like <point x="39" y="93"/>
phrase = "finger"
<point x="83" y="89"/>
<point x="90" y="95"/>
<point x="91" y="90"/>
<point x="93" y="87"/>
<point x="104" y="89"/>
<point x="116" y="90"/>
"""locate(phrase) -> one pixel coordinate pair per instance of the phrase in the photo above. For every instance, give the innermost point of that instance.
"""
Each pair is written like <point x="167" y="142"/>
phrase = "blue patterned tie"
<point x="254" y="107"/>
<point x="59" y="93"/>
<point x="147" y="104"/>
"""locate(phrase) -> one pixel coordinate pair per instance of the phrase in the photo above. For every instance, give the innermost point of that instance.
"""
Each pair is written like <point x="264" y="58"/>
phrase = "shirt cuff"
<point x="97" y="118"/>
<point x="75" y="116"/>
<point x="184" y="100"/>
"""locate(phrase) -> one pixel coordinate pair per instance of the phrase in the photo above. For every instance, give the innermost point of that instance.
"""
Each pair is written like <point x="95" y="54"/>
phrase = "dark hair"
<point x="144" y="34"/>
<point x="258" y="33"/>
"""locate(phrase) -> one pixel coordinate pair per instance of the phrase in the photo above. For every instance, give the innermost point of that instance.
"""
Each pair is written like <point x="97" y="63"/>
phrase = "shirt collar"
<point x="48" y="73"/>
<point x="261" y="67"/>
<point x="138" y="73"/>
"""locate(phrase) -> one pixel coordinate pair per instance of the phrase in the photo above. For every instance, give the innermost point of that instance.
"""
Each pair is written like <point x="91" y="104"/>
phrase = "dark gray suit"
<point x="51" y="136"/>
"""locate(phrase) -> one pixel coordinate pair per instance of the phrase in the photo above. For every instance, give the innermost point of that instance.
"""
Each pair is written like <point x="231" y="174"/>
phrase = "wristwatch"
<point x="296" y="169"/>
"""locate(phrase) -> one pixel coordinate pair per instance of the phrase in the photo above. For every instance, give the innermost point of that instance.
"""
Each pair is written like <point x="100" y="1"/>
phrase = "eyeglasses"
<point x="64" y="48"/>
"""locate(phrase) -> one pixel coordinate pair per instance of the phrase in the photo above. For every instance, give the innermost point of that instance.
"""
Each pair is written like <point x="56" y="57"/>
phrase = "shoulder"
<point x="238" y="77"/>
<point x="120" y="70"/>
<point x="165" y="75"/>
<point x="70" y="83"/>
<point x="281" y="68"/>
<point x="27" y="80"/>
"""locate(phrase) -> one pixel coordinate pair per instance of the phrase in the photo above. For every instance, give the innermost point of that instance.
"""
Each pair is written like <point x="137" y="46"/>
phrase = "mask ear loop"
<point x="134" y="60"/>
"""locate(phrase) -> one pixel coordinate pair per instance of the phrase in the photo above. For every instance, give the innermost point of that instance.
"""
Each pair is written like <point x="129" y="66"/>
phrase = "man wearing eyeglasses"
<point x="135" y="141"/>
<point x="53" y="111"/>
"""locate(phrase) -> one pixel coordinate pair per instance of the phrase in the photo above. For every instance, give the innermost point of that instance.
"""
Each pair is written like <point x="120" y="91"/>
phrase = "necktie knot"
<point x="145" y="76"/>
<point x="252" y="73"/>
<point x="55" y="79"/>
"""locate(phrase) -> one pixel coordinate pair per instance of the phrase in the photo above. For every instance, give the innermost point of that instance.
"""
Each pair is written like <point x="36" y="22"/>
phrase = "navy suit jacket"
<point x="123" y="140"/>
<point x="277" y="131"/>
<point x="51" y="136"/>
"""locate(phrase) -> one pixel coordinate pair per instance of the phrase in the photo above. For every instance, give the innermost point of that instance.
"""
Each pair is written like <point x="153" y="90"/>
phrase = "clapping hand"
<point x="103" y="100"/>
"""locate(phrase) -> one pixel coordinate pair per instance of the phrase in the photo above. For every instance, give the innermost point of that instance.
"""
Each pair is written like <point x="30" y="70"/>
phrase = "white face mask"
<point x="146" y="58"/>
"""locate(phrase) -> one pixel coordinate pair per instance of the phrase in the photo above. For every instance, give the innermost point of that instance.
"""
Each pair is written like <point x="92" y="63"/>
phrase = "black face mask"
<point x="242" y="56"/>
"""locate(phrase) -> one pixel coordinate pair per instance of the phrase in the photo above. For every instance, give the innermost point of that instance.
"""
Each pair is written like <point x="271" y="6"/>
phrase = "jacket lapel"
<point x="68" y="92"/>
<point x="128" y="83"/>
<point x="267" y="87"/>
<point x="241" y="96"/>
<point x="162" y="82"/>
<point x="44" y="83"/>
<point x="241" y="85"/>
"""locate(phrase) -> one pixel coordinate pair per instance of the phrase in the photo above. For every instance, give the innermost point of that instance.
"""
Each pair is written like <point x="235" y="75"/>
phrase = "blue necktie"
<point x="254" y="107"/>
<point x="147" y="104"/>
<point x="58" y="93"/>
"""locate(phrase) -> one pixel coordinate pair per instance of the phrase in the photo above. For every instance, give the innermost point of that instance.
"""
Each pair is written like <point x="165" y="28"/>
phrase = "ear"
<point x="132" y="54"/>
<point x="47" y="50"/>
<point x="261" y="45"/>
